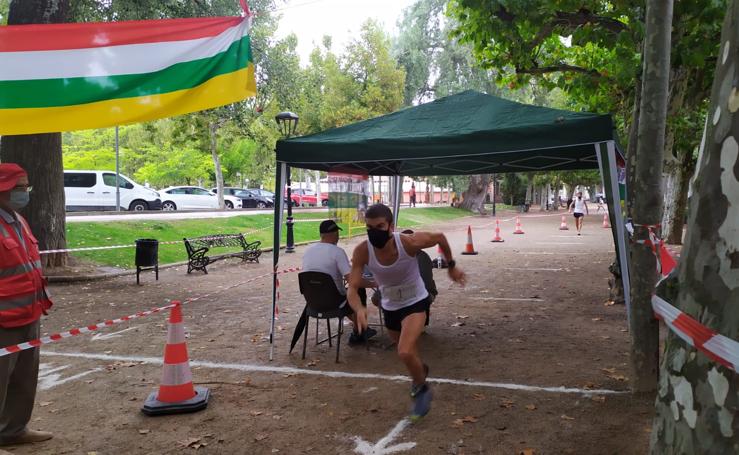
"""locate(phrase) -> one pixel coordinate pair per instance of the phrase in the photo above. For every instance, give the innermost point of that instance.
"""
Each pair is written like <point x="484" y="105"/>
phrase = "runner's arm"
<point x="413" y="243"/>
<point x="360" y="258"/>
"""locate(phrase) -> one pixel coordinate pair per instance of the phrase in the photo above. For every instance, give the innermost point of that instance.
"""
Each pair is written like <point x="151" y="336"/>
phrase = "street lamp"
<point x="288" y="123"/>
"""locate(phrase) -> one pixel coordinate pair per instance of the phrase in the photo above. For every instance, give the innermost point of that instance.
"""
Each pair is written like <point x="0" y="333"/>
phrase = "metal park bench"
<point x="198" y="248"/>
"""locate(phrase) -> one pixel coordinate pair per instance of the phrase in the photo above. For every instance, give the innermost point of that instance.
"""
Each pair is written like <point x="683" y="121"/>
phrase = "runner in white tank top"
<point x="579" y="208"/>
<point x="392" y="260"/>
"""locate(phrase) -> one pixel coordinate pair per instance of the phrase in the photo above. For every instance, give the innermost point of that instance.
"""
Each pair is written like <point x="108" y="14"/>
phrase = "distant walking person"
<point x="391" y="258"/>
<point x="23" y="299"/>
<point x="579" y="208"/>
<point x="412" y="195"/>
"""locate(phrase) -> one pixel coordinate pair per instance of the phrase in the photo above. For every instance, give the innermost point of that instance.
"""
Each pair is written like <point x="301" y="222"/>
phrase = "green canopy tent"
<point x="466" y="133"/>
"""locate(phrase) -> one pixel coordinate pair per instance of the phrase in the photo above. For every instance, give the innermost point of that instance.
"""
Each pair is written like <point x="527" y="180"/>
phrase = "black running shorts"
<point x="394" y="319"/>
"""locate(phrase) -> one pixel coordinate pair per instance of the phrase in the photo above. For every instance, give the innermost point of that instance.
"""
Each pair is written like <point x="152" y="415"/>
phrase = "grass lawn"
<point x="126" y="232"/>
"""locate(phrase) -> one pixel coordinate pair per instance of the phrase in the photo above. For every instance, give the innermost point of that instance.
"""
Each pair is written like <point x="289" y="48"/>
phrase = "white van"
<point x="95" y="190"/>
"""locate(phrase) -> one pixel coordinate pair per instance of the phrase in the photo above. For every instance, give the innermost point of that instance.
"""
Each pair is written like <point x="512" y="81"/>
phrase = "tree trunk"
<point x="213" y="133"/>
<point x="697" y="408"/>
<point x="676" y="196"/>
<point x="474" y="196"/>
<point x="671" y="174"/>
<point x="647" y="185"/>
<point x="41" y="154"/>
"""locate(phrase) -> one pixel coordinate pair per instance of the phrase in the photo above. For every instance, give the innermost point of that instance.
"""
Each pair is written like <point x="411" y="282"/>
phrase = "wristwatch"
<point x="452" y="263"/>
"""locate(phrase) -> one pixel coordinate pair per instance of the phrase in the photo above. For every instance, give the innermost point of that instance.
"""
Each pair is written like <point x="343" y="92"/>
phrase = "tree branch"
<point x="558" y="68"/>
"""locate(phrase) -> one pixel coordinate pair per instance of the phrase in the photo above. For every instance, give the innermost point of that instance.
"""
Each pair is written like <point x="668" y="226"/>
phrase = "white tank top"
<point x="400" y="283"/>
<point x="579" y="205"/>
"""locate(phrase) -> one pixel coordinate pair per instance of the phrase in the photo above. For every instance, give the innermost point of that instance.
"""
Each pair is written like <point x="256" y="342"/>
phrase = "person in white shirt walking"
<point x="325" y="256"/>
<point x="579" y="208"/>
<point x="391" y="258"/>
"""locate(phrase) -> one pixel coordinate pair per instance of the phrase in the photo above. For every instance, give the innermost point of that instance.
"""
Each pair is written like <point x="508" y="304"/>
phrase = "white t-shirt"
<point x="327" y="258"/>
<point x="579" y="205"/>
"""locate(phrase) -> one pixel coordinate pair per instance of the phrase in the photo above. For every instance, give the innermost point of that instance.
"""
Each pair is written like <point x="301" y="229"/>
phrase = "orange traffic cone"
<point x="176" y="393"/>
<point x="518" y="226"/>
<point x="563" y="224"/>
<point x="606" y="224"/>
<point x="469" y="248"/>
<point x="497" y="237"/>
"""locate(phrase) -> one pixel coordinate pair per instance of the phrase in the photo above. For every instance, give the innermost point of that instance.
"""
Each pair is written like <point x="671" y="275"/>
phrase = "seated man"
<point x="325" y="256"/>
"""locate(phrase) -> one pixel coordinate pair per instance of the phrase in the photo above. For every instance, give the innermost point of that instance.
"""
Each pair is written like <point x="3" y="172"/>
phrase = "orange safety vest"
<point x="23" y="294"/>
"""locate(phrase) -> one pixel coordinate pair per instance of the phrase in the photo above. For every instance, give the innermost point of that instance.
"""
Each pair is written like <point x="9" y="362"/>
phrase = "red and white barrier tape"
<point x="79" y="331"/>
<point x="717" y="347"/>
<point x="132" y="245"/>
<point x="93" y="327"/>
<point x="665" y="261"/>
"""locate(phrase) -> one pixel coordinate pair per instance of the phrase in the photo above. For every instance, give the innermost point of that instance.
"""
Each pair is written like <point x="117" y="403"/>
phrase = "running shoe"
<point x="421" y="402"/>
<point x="416" y="388"/>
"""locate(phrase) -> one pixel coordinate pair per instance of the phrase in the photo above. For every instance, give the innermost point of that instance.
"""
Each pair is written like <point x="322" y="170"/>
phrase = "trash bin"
<point x="147" y="256"/>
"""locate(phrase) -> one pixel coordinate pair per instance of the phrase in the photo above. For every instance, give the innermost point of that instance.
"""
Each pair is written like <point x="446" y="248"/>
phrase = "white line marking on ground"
<point x="558" y="243"/>
<point x="107" y="336"/>
<point x="534" y="269"/>
<point x="333" y="374"/>
<point x="542" y="252"/>
<point x="380" y="448"/>
<point x="565" y="236"/>
<point x="508" y="299"/>
<point x="48" y="377"/>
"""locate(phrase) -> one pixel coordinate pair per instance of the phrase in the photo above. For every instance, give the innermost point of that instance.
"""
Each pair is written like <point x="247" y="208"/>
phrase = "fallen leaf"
<point x="469" y="419"/>
<point x="566" y="417"/>
<point x="530" y="407"/>
<point x="45" y="403"/>
<point x="144" y="431"/>
<point x="255" y="338"/>
<point x="598" y="398"/>
<point x="527" y="452"/>
<point x="458" y="324"/>
<point x="312" y="363"/>
<point x="462" y="316"/>
<point x="255" y="413"/>
<point x="597" y="319"/>
<point x="261" y="437"/>
<point x="507" y="404"/>
<point x="478" y="396"/>
<point x="609" y="370"/>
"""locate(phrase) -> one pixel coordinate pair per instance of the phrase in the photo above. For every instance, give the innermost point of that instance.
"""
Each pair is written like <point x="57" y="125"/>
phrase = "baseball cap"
<point x="328" y="226"/>
<point x="9" y="175"/>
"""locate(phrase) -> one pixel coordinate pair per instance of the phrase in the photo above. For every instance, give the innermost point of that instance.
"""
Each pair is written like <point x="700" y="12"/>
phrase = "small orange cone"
<point x="176" y="393"/>
<point x="469" y="248"/>
<point x="518" y="226"/>
<point x="563" y="224"/>
<point x="606" y="224"/>
<point x="497" y="237"/>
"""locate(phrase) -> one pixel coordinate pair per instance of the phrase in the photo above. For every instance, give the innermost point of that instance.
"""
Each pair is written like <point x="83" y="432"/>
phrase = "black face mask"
<point x="377" y="237"/>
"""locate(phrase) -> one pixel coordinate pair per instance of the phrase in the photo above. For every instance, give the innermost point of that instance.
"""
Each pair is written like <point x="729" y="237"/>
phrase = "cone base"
<point x="564" y="229"/>
<point x="497" y="240"/>
<point x="518" y="232"/>
<point x="471" y="253"/>
<point x="154" y="407"/>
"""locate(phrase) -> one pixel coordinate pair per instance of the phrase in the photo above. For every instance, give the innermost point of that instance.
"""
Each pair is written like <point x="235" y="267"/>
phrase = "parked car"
<point x="262" y="192"/>
<point x="303" y="197"/>
<point x="194" y="197"/>
<point x="96" y="190"/>
<point x="249" y="199"/>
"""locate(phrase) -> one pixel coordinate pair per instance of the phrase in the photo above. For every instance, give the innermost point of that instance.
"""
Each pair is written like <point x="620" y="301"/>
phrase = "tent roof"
<point x="466" y="133"/>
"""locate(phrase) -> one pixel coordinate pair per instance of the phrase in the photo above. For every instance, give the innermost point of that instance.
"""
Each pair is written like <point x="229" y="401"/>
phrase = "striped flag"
<point x="62" y="77"/>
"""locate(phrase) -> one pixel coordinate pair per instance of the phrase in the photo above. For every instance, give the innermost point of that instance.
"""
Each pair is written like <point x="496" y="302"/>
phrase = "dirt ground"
<point x="527" y="356"/>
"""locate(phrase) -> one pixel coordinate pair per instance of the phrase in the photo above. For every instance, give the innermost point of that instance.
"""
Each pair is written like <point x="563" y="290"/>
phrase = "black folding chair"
<point x="323" y="301"/>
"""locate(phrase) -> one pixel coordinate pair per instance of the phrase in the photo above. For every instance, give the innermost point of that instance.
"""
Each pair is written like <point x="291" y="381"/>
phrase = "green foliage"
<point x="513" y="188"/>
<point x="4" y="7"/>
<point x="590" y="50"/>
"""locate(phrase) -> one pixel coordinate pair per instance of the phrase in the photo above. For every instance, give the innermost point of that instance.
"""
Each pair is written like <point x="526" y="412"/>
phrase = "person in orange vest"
<point x="23" y="299"/>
